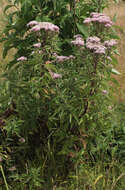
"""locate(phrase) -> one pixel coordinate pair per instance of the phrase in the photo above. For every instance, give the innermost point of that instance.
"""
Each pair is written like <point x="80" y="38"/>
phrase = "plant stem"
<point x="73" y="10"/>
<point x="4" y="177"/>
<point x="99" y="5"/>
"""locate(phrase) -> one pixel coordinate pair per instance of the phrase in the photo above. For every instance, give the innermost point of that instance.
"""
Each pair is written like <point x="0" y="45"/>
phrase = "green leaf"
<point x="115" y="81"/>
<point x="83" y="29"/>
<point x="114" y="60"/>
<point x="7" y="47"/>
<point x="114" y="18"/>
<point x="116" y="1"/>
<point x="49" y="66"/>
<point x="114" y="36"/>
<point x="121" y="29"/>
<point x="114" y="71"/>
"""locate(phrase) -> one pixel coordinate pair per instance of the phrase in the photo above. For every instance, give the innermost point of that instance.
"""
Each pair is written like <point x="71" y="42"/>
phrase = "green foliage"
<point x="57" y="119"/>
<point x="64" y="13"/>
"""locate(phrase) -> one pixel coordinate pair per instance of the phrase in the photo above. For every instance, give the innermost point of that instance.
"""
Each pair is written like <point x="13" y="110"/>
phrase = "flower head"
<point x="55" y="75"/>
<point x="22" y="58"/>
<point x="37" y="45"/>
<point x="100" y="50"/>
<point x="78" y="36"/>
<point x="47" y="26"/>
<point x="93" y="43"/>
<point x="99" y="18"/>
<point x="36" y="28"/>
<point x="93" y="39"/>
<point x="22" y="140"/>
<point x="110" y="43"/>
<point x="110" y="108"/>
<point x="109" y="58"/>
<point x="32" y="23"/>
<point x="62" y="58"/>
<point x="87" y="20"/>
<point x="78" y="40"/>
<point x="104" y="92"/>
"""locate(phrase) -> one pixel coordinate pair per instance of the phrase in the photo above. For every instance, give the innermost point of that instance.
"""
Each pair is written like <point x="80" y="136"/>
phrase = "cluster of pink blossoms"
<point x="37" y="45"/>
<point x="105" y="92"/>
<point x="22" y="58"/>
<point x="55" y="75"/>
<point x="22" y="140"/>
<point x="78" y="41"/>
<point x="61" y="58"/>
<point x="93" y="43"/>
<point x="47" y="26"/>
<point x="110" y="43"/>
<point x="99" y="18"/>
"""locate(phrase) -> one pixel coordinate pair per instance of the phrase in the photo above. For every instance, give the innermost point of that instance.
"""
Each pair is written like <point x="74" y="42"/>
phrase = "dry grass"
<point x="119" y="10"/>
<point x="3" y="3"/>
<point x="113" y="9"/>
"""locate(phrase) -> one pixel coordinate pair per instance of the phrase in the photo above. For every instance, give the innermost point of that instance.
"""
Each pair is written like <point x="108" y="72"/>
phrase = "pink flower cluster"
<point x="22" y="58"/>
<point x="62" y="58"/>
<point x="104" y="92"/>
<point x="37" y="45"/>
<point x="55" y="75"/>
<point x="109" y="58"/>
<point x="22" y="140"/>
<point x="47" y="26"/>
<point x="110" y="43"/>
<point x="78" y="41"/>
<point x="32" y="23"/>
<point x="93" y="43"/>
<point x="100" y="18"/>
<point x="93" y="39"/>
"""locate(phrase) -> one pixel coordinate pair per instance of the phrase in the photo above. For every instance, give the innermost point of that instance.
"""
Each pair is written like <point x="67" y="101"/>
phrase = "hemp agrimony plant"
<point x="57" y="104"/>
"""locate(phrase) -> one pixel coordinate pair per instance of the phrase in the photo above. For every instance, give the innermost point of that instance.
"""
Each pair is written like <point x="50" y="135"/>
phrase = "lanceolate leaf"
<point x="83" y="29"/>
<point x="114" y="71"/>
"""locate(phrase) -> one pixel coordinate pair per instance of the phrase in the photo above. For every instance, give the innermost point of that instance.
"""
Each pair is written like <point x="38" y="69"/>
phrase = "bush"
<point x="56" y="101"/>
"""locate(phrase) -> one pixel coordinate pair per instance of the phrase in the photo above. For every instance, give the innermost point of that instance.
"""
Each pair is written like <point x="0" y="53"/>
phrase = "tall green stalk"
<point x="1" y="168"/>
